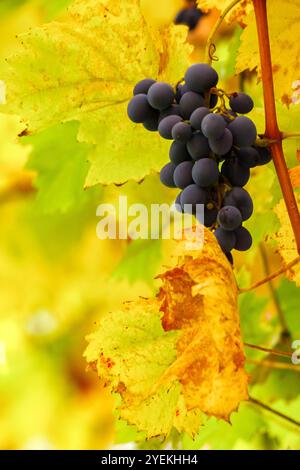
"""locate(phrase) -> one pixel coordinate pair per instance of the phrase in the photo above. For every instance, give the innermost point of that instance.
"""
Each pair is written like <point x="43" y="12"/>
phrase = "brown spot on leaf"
<point x="24" y="133"/>
<point x="286" y="99"/>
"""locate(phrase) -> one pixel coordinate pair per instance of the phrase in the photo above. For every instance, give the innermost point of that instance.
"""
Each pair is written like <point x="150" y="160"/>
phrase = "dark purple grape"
<point x="160" y="95"/>
<point x="205" y="172"/>
<point x="178" y="153"/>
<point x="237" y="174"/>
<point x="166" y="125"/>
<point x="151" y="124"/>
<point x="198" y="146"/>
<point x="241" y="103"/>
<point x="189" y="17"/>
<point x="241" y="199"/>
<point x="182" y="132"/>
<point x="189" y="102"/>
<point x="248" y="157"/>
<point x="138" y="109"/>
<point x="193" y="195"/>
<point x="243" y="239"/>
<point x="213" y="126"/>
<point x="167" y="175"/>
<point x="201" y="77"/>
<point x="210" y="217"/>
<point x="213" y="101"/>
<point x="265" y="155"/>
<point x="173" y="110"/>
<point x="197" y="117"/>
<point x="222" y="145"/>
<point x="225" y="238"/>
<point x="183" y="174"/>
<point x="243" y="131"/>
<point x="177" y="203"/>
<point x="229" y="218"/>
<point x="180" y="91"/>
<point x="143" y="86"/>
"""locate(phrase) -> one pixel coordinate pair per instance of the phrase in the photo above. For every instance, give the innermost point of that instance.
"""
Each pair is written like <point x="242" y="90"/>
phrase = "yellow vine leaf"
<point x="13" y="157"/>
<point x="84" y="68"/>
<point x="180" y="354"/>
<point x="295" y="176"/>
<point x="286" y="241"/>
<point x="160" y="13"/>
<point x="283" y="19"/>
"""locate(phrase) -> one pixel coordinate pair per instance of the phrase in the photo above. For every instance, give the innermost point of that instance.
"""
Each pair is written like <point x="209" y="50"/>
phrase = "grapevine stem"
<point x="272" y="130"/>
<point x="209" y="44"/>
<point x="271" y="276"/>
<point x="274" y="352"/>
<point x="274" y="365"/>
<point x="287" y="135"/>
<point x="265" y="407"/>
<point x="280" y="313"/>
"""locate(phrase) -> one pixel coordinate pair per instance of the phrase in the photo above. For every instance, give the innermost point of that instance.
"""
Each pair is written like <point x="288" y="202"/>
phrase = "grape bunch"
<point x="214" y="147"/>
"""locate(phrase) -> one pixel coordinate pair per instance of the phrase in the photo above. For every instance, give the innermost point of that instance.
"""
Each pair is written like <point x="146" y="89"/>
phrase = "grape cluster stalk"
<point x="214" y="147"/>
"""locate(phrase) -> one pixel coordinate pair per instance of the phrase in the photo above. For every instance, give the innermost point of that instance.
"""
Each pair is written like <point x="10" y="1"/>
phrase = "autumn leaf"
<point x="199" y="297"/>
<point x="295" y="176"/>
<point x="131" y="351"/>
<point x="13" y="157"/>
<point x="283" y="19"/>
<point x="84" y="68"/>
<point x="295" y="173"/>
<point x="286" y="241"/>
<point x="160" y="13"/>
<point x="179" y="355"/>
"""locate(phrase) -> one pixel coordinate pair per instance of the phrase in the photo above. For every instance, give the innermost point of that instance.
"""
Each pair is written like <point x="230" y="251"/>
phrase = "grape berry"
<point x="189" y="16"/>
<point x="214" y="146"/>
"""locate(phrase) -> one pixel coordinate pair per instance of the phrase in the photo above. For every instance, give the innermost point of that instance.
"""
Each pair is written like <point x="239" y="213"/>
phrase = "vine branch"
<point x="210" y="47"/>
<point x="265" y="407"/>
<point x="284" y="327"/>
<point x="287" y="135"/>
<point x="274" y="365"/>
<point x="272" y="130"/>
<point x="271" y="276"/>
<point x="274" y="352"/>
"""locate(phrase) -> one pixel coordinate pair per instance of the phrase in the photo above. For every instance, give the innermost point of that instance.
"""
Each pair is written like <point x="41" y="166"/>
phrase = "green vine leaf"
<point x="61" y="166"/>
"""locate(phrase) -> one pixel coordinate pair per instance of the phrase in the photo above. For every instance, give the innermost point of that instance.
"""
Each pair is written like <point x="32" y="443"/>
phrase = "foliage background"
<point x="57" y="279"/>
